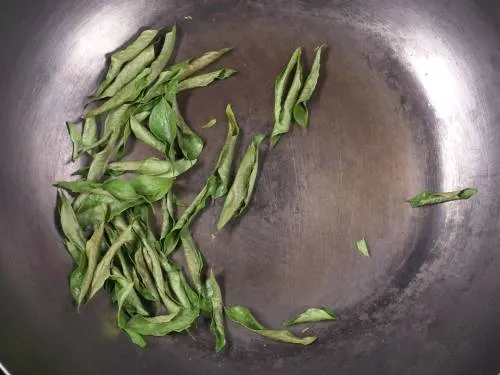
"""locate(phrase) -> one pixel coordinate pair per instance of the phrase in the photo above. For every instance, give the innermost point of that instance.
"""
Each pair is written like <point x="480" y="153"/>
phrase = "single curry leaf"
<point x="163" y="325"/>
<point x="166" y="52"/>
<point x="163" y="122"/>
<point x="214" y="295"/>
<point x="201" y="62"/>
<point x="362" y="246"/>
<point x="69" y="223"/>
<point x="240" y="193"/>
<point x="204" y="80"/>
<point x="193" y="258"/>
<point x="312" y="315"/>
<point x="430" y="198"/>
<point x="142" y="134"/>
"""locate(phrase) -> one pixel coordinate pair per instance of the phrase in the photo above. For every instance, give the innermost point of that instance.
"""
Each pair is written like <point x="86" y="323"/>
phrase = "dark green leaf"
<point x="193" y="257"/>
<point x="142" y="270"/>
<point x="163" y="122"/>
<point x="69" y="224"/>
<point x="280" y="95"/>
<point x="430" y="198"/>
<point x="242" y="316"/>
<point x="201" y="62"/>
<point x="242" y="188"/>
<point x="214" y="295"/>
<point x="166" y="52"/>
<point x="103" y="269"/>
<point x="363" y="247"/>
<point x="119" y="58"/>
<point x="283" y="125"/>
<point x="206" y="79"/>
<point x="128" y="93"/>
<point x="77" y="275"/>
<point x="142" y="134"/>
<point x="164" y="325"/>
<point x="190" y="143"/>
<point x="130" y="72"/>
<point x="312" y="315"/>
<point x="300" y="110"/>
<point x="175" y="279"/>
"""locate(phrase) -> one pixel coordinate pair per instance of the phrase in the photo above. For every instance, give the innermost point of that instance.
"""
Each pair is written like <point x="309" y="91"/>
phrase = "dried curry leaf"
<point x="162" y="60"/>
<point x="193" y="258"/>
<point x="241" y="191"/>
<point x="214" y="295"/>
<point x="206" y="79"/>
<point x="201" y="62"/>
<point x="312" y="315"/>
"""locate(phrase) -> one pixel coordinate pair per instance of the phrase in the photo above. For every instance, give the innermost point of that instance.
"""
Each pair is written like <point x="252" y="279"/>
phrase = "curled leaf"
<point x="166" y="52"/>
<point x="204" y="80"/>
<point x="214" y="295"/>
<point x="242" y="316"/>
<point x="430" y="198"/>
<point x="312" y="315"/>
<point x="201" y="62"/>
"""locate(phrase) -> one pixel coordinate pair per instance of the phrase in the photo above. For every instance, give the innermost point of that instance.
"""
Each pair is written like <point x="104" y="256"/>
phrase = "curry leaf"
<point x="152" y="167"/>
<point x="226" y="156"/>
<point x="214" y="295"/>
<point x="130" y="71"/>
<point x="165" y="324"/>
<point x="312" y="315"/>
<point x="285" y="119"/>
<point x="206" y="79"/>
<point x="153" y="188"/>
<point x="103" y="269"/>
<point x="77" y="276"/>
<point x="166" y="52"/>
<point x="126" y="94"/>
<point x="69" y="223"/>
<point x="240" y="193"/>
<point x="210" y="124"/>
<point x="168" y="214"/>
<point x="92" y="251"/>
<point x="163" y="122"/>
<point x="119" y="58"/>
<point x="76" y="139"/>
<point x="300" y="110"/>
<point x="190" y="143"/>
<point x="430" y="198"/>
<point x="175" y="279"/>
<point x="201" y="62"/>
<point x="279" y="95"/>
<point x="142" y="134"/>
<point x="363" y="247"/>
<point x="193" y="257"/>
<point x="142" y="270"/>
<point x="158" y="88"/>
<point x="242" y="316"/>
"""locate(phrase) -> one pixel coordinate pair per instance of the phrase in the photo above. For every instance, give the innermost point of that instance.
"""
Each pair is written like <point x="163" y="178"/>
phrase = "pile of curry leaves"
<point x="106" y="225"/>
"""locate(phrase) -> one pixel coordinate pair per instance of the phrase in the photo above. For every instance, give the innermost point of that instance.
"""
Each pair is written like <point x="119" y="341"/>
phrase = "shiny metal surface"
<point x="409" y="100"/>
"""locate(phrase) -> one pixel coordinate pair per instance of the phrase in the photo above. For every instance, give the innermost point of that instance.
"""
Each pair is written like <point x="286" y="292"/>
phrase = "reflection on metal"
<point x="4" y="370"/>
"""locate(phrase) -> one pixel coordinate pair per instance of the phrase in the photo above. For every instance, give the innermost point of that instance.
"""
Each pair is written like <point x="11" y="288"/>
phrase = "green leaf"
<point x="119" y="58"/>
<point x="152" y="167"/>
<point x="196" y="206"/>
<point x="242" y="316"/>
<point x="210" y="124"/>
<point x="142" y="270"/>
<point x="283" y="125"/>
<point x="204" y="80"/>
<point x="92" y="252"/>
<point x="142" y="134"/>
<point x="190" y="143"/>
<point x="363" y="247"/>
<point x="214" y="295"/>
<point x="70" y="225"/>
<point x="103" y="269"/>
<point x="312" y="315"/>
<point x="430" y="198"/>
<point x="128" y="93"/>
<point x="165" y="324"/>
<point x="226" y="156"/>
<point x="126" y="294"/>
<point x="89" y="135"/>
<point x="166" y="52"/>
<point x="120" y="189"/>
<point x="164" y="79"/>
<point x="76" y="139"/>
<point x="175" y="280"/>
<point x="193" y="257"/>
<point x="279" y="95"/>
<point x="153" y="188"/>
<point x="163" y="122"/>
<point x="300" y="110"/>
<point x="201" y="62"/>
<point x="116" y="122"/>
<point x="168" y="214"/>
<point x="77" y="275"/>
<point x="130" y="72"/>
<point x="240" y="193"/>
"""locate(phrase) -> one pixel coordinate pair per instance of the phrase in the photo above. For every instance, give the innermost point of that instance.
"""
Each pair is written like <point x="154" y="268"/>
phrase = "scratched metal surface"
<point x="409" y="100"/>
